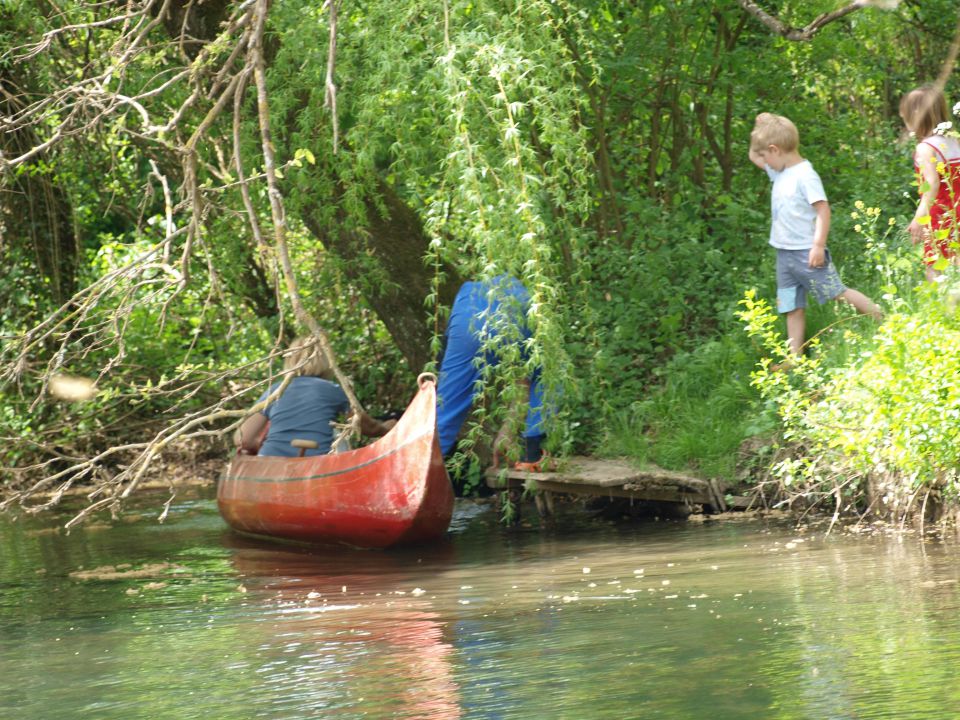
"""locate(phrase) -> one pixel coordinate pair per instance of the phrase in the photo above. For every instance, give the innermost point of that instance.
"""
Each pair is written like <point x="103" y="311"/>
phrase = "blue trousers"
<point x="475" y="314"/>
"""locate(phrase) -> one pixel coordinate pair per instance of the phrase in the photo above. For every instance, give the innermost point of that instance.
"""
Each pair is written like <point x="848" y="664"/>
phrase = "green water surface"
<point x="591" y="619"/>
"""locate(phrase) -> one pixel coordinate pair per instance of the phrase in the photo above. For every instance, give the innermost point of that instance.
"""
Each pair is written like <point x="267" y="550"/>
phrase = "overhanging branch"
<point x="794" y="33"/>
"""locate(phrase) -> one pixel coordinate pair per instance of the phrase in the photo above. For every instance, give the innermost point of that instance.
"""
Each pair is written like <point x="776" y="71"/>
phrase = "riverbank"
<point x="639" y="493"/>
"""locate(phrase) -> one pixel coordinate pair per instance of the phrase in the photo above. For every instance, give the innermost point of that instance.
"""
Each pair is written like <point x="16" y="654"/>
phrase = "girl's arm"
<point x="929" y="184"/>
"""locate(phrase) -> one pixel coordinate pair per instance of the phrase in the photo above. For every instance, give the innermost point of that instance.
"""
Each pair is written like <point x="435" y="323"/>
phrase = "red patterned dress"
<point x="944" y="211"/>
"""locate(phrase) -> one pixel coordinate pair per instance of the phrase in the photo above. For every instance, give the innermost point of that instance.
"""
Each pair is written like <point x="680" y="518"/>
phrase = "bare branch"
<point x="180" y="115"/>
<point x="800" y="34"/>
<point x="330" y="96"/>
<point x="278" y="213"/>
<point x="48" y="37"/>
<point x="950" y="61"/>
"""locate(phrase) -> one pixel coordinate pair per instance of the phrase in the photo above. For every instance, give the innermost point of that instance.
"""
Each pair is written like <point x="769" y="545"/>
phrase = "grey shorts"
<point x="795" y="279"/>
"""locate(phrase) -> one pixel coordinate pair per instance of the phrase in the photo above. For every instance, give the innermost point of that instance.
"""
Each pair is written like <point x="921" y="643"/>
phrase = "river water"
<point x="592" y="619"/>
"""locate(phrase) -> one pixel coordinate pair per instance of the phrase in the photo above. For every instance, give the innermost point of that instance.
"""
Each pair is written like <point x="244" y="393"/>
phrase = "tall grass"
<point x="700" y="414"/>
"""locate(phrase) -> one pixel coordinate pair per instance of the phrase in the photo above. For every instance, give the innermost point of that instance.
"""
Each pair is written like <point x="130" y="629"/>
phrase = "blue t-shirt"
<point x="304" y="411"/>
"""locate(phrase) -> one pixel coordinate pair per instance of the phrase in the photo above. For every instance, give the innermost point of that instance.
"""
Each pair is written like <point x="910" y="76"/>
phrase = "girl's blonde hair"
<point x="306" y="357"/>
<point x="771" y="129"/>
<point x="923" y="109"/>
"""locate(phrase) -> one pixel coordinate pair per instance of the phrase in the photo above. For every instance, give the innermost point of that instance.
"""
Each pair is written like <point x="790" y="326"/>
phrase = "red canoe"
<point x="391" y="492"/>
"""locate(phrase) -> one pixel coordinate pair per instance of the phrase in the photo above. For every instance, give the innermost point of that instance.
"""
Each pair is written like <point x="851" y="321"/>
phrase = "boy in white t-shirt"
<point x="799" y="226"/>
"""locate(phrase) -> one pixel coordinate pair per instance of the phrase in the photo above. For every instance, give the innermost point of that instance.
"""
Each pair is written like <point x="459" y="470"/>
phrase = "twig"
<point x="278" y="213"/>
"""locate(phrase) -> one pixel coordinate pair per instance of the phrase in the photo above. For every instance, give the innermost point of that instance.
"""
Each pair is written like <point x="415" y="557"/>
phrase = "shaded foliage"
<point x="596" y="150"/>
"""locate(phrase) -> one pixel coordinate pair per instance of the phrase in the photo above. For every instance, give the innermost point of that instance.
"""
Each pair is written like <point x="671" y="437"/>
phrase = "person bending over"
<point x="486" y="316"/>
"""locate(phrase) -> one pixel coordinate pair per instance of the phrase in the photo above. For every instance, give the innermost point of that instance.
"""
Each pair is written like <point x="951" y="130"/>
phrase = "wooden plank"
<point x="653" y="493"/>
<point x="614" y="478"/>
<point x="745" y="502"/>
<point x="716" y="490"/>
<point x="601" y="473"/>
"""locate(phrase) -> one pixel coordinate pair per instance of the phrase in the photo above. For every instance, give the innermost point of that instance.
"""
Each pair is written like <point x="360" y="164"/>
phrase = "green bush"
<point x="868" y="406"/>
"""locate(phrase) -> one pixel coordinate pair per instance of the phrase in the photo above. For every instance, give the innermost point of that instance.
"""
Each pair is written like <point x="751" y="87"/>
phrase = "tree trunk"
<point x="397" y="243"/>
<point x="35" y="212"/>
<point x="194" y="23"/>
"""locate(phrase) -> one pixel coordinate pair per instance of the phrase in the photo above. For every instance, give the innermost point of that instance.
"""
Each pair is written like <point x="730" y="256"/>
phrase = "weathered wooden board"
<point x="614" y="478"/>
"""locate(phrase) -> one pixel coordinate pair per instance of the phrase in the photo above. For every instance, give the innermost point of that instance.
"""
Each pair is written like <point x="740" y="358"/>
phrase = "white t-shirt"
<point x="795" y="190"/>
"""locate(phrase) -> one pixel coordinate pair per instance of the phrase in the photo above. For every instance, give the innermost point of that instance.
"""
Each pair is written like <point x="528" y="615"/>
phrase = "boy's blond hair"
<point x="923" y="109"/>
<point x="776" y="130"/>
<point x="306" y="357"/>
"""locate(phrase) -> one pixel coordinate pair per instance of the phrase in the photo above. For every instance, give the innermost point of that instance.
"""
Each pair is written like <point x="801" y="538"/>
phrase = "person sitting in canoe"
<point x="485" y="313"/>
<point x="305" y="409"/>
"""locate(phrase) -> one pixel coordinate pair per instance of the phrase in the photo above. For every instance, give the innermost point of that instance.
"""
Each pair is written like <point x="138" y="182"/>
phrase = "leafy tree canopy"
<point x="186" y="185"/>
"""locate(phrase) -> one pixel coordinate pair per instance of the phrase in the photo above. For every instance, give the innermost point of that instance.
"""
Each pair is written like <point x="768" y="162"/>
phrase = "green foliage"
<point x="898" y="409"/>
<point x="881" y="405"/>
<point x="595" y="150"/>
<point x="698" y="414"/>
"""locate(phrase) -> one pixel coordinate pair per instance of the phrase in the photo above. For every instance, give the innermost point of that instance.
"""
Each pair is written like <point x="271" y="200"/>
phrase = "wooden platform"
<point x="614" y="478"/>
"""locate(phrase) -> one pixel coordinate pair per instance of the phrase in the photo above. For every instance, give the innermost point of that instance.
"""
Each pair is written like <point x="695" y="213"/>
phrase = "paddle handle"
<point x="304" y="445"/>
<point x="426" y="377"/>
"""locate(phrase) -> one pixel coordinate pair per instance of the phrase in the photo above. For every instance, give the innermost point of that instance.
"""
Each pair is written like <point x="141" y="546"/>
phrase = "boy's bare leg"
<point x="796" y="328"/>
<point x="863" y="304"/>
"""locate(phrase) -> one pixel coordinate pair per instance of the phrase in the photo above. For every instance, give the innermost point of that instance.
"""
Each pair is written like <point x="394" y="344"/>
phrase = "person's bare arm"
<point x="505" y="441"/>
<point x="247" y="436"/>
<point x="821" y="229"/>
<point x="930" y="185"/>
<point x="372" y="427"/>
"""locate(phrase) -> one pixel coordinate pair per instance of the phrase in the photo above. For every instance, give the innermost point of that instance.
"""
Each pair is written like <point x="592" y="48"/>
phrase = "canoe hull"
<point x="395" y="491"/>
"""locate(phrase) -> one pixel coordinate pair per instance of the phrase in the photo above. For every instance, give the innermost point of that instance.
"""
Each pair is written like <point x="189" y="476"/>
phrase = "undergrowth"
<point x="869" y="416"/>
<point x="867" y="422"/>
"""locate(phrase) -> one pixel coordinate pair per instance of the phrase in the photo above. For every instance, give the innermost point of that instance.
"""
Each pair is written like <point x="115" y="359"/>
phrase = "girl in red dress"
<point x="936" y="160"/>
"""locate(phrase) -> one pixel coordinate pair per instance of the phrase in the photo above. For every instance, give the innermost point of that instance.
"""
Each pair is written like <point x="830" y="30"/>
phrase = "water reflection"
<point x="340" y="611"/>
